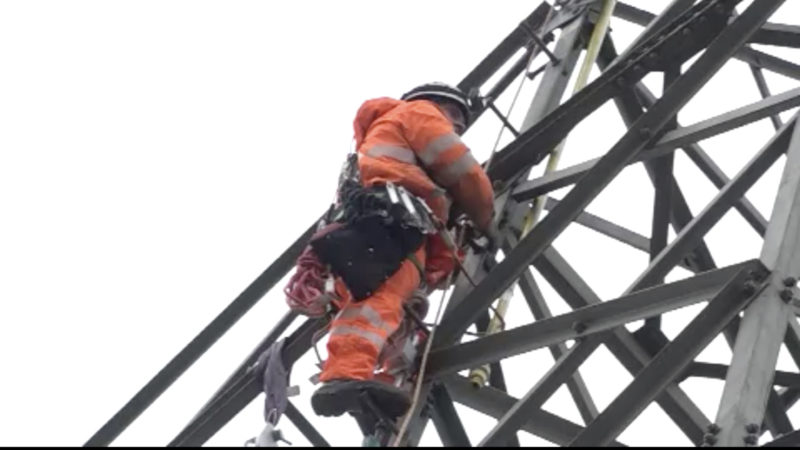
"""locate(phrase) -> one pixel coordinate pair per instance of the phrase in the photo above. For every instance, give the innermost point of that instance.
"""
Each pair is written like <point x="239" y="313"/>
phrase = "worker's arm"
<point x="448" y="161"/>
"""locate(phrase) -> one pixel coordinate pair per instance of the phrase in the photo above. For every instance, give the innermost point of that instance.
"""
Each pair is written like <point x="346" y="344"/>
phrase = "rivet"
<point x="787" y="295"/>
<point x="578" y="327"/>
<point x="749" y="288"/>
<point x="752" y="428"/>
<point x="709" y="438"/>
<point x="790" y="282"/>
<point x="751" y="439"/>
<point x="713" y="428"/>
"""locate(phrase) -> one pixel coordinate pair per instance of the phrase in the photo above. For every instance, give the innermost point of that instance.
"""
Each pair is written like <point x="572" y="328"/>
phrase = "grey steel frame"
<point x="763" y="290"/>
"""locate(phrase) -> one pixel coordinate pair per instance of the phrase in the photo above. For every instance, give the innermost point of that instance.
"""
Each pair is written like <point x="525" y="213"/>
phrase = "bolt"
<point x="713" y="428"/>
<point x="579" y="327"/>
<point x="787" y="295"/>
<point x="645" y="133"/>
<point x="709" y="438"/>
<point x="497" y="185"/>
<point x="790" y="282"/>
<point x="752" y="428"/>
<point x="686" y="31"/>
<point x="638" y="68"/>
<point x="749" y="288"/>
<point x="751" y="439"/>
<point x="620" y="81"/>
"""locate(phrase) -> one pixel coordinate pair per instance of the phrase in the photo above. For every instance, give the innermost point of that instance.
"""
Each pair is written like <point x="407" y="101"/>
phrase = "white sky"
<point x="156" y="156"/>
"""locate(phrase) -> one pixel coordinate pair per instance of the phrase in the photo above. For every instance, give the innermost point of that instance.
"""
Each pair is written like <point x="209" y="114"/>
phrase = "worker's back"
<point x="412" y="144"/>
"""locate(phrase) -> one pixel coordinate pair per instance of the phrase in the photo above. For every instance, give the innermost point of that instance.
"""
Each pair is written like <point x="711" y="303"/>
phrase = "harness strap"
<point x="413" y="258"/>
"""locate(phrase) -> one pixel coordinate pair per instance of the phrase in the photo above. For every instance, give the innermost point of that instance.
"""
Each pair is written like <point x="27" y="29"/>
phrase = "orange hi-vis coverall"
<point x="411" y="144"/>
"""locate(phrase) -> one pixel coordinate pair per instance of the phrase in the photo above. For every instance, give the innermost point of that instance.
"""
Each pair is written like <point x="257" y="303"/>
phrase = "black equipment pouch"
<point x="383" y="225"/>
<point x="367" y="252"/>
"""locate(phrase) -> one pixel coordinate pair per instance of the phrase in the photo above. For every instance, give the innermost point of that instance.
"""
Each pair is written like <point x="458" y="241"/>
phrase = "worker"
<point x="413" y="143"/>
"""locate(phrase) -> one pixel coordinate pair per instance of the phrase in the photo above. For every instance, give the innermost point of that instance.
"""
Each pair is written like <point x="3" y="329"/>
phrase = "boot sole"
<point x="345" y="397"/>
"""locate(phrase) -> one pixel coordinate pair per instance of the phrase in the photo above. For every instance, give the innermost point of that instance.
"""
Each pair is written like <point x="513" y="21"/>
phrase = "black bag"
<point x="366" y="252"/>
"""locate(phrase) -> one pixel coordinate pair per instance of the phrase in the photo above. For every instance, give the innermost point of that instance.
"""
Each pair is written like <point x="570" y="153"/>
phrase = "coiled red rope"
<point x="305" y="292"/>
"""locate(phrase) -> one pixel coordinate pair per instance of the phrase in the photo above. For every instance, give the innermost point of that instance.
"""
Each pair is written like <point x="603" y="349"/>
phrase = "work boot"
<point x="337" y="397"/>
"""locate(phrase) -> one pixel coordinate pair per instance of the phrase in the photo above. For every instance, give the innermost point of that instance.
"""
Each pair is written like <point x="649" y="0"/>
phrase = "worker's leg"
<point x="360" y="330"/>
<point x="357" y="335"/>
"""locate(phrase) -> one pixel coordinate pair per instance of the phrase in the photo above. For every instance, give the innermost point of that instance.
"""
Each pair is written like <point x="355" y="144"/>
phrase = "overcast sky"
<point x="156" y="156"/>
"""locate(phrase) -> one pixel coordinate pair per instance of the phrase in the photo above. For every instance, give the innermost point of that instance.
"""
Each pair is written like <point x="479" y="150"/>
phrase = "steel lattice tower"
<point x="751" y="303"/>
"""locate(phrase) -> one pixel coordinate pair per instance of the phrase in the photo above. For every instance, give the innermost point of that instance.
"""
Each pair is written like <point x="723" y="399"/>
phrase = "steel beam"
<point x="607" y="228"/>
<point x="669" y="363"/>
<point x="763" y="89"/>
<point x="577" y="387"/>
<point x="614" y="231"/>
<point x="201" y="343"/>
<point x="750" y="56"/>
<point x="749" y="380"/>
<point x="653" y="24"/>
<point x="787" y="440"/>
<point x="569" y="285"/>
<point x="581" y="322"/>
<point x="667" y="193"/>
<point x="688" y="238"/>
<point x="446" y="420"/>
<point x="775" y="418"/>
<point x="711" y="170"/>
<point x="718" y="372"/>
<point x="761" y="109"/>
<point x="769" y="62"/>
<point x="305" y="427"/>
<point x="515" y="40"/>
<point x="778" y="34"/>
<point x="494" y="403"/>
<point x="516" y="416"/>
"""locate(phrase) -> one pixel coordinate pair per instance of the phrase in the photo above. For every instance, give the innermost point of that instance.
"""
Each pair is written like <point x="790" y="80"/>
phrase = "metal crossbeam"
<point x="672" y="140"/>
<point x="666" y="366"/>
<point x="584" y="321"/>
<point x="535" y="398"/>
<point x="764" y="325"/>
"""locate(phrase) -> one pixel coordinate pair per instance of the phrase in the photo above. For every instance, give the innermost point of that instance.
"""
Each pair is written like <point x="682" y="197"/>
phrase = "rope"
<point x="423" y="365"/>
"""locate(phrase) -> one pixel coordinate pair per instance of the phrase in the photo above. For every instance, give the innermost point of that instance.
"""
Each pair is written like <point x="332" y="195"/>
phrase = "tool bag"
<point x="364" y="238"/>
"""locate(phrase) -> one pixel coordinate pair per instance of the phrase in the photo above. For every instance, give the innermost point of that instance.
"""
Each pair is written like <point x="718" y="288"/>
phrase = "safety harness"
<point x="364" y="238"/>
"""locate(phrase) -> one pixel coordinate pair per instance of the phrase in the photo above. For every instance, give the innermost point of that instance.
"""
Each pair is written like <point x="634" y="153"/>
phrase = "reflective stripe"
<point x="432" y="151"/>
<point x="399" y="153"/>
<point x="366" y="312"/>
<point x="345" y="330"/>
<point x="450" y="174"/>
<point x="438" y="192"/>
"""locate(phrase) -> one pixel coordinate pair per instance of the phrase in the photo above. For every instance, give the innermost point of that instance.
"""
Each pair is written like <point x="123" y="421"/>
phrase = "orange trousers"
<point x="359" y="330"/>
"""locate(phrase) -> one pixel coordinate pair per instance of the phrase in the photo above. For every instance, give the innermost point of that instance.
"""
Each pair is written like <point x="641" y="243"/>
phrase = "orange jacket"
<point x="412" y="144"/>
